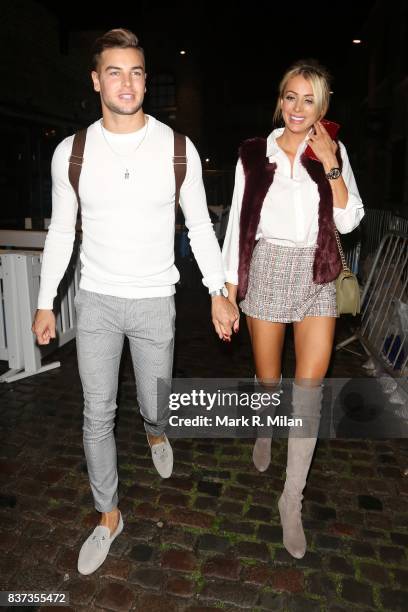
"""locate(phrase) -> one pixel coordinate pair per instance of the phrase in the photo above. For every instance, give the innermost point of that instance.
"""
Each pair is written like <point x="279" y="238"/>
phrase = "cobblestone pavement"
<point x="209" y="537"/>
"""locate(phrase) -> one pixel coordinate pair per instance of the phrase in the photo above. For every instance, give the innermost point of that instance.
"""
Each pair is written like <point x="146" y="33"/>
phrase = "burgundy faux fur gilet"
<point x="259" y="174"/>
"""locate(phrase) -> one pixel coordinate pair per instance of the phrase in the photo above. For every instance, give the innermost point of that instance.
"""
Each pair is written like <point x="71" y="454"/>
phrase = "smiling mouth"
<point x="126" y="97"/>
<point x="296" y="119"/>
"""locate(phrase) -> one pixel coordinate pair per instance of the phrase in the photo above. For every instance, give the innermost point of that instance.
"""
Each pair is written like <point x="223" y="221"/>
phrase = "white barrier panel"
<point x="20" y="282"/>
<point x="383" y="330"/>
<point x="11" y="348"/>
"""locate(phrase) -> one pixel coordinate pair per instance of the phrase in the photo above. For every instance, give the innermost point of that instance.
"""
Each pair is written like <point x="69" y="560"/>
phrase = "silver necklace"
<point x="145" y="127"/>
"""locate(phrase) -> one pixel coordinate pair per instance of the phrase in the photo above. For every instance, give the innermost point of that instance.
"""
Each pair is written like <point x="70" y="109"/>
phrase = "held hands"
<point x="44" y="326"/>
<point x="225" y="316"/>
<point x="323" y="146"/>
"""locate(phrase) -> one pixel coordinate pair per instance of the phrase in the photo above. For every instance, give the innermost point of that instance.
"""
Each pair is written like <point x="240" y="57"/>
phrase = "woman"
<point x="281" y="260"/>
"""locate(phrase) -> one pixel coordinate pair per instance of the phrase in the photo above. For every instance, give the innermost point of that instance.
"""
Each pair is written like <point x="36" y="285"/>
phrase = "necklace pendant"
<point x="127" y="174"/>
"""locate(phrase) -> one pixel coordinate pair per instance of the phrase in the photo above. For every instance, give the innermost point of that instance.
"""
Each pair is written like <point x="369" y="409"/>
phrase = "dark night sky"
<point x="240" y="51"/>
<point x="241" y="42"/>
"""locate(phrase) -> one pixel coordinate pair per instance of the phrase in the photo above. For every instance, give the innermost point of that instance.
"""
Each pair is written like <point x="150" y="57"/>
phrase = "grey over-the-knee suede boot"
<point x="261" y="454"/>
<point x="306" y="402"/>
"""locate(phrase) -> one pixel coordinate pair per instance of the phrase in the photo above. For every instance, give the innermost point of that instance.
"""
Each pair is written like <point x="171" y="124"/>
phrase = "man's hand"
<point x="44" y="326"/>
<point x="225" y="316"/>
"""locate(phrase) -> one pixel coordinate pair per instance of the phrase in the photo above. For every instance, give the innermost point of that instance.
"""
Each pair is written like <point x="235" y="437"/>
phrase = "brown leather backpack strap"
<point x="75" y="161"/>
<point x="180" y="165"/>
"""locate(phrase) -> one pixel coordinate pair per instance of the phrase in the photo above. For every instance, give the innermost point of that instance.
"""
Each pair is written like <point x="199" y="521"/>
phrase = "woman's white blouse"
<point x="289" y="213"/>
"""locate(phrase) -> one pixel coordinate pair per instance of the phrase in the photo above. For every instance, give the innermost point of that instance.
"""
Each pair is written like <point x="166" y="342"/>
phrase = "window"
<point x="162" y="91"/>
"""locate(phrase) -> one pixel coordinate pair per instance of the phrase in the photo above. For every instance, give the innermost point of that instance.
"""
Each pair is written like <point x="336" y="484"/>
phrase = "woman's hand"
<point x="225" y="316"/>
<point x="323" y="146"/>
<point x="232" y="297"/>
<point x="235" y="327"/>
<point x="325" y="149"/>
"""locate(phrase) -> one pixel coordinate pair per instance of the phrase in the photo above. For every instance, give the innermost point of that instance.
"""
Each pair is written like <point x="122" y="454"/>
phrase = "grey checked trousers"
<point x="103" y="321"/>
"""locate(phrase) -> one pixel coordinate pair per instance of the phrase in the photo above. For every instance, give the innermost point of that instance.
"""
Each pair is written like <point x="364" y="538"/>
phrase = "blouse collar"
<point x="272" y="147"/>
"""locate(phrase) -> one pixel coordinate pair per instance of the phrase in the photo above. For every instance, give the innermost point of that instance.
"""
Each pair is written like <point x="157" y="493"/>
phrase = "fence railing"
<point x="376" y="223"/>
<point x="374" y="226"/>
<point x="383" y="330"/>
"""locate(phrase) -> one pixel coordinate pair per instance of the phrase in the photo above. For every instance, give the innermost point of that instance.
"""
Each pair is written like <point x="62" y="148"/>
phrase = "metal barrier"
<point x="382" y="332"/>
<point x="376" y="223"/>
<point x="19" y="287"/>
<point x="352" y="256"/>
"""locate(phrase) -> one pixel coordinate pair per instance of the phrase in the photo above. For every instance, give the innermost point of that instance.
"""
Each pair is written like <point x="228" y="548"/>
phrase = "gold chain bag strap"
<point x="347" y="288"/>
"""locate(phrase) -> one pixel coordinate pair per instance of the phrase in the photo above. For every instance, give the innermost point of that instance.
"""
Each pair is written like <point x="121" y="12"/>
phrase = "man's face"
<point x="120" y="79"/>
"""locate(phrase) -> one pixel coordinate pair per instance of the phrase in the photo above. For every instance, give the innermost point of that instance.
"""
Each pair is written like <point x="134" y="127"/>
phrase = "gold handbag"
<point x="347" y="288"/>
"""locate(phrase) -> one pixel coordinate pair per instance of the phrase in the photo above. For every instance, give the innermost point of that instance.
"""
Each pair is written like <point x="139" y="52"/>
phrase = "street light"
<point x="357" y="41"/>
<point x="182" y="52"/>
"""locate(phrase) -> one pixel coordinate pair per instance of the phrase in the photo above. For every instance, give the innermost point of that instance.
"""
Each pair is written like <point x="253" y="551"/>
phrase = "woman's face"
<point x="298" y="105"/>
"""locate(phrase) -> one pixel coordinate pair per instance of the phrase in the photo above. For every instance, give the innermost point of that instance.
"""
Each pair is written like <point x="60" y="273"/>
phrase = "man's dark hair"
<point x="117" y="38"/>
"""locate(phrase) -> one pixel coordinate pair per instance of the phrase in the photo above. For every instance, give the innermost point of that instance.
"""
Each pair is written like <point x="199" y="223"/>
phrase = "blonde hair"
<point x="319" y="79"/>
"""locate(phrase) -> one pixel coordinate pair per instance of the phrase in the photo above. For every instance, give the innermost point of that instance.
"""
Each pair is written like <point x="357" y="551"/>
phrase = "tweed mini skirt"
<point x="281" y="287"/>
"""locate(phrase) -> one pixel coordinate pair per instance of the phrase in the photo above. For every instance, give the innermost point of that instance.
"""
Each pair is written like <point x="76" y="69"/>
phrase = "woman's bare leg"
<point x="267" y="341"/>
<point x="314" y="337"/>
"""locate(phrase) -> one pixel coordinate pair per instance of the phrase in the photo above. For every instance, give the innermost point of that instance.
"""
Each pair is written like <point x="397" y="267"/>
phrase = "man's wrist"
<point x="221" y="292"/>
<point x="217" y="298"/>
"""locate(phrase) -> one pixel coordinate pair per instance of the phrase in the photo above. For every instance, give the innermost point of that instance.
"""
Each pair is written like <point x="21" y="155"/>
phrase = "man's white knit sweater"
<point x="127" y="223"/>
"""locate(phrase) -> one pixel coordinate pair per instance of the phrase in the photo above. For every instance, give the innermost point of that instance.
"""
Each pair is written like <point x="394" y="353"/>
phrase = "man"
<point x="127" y="193"/>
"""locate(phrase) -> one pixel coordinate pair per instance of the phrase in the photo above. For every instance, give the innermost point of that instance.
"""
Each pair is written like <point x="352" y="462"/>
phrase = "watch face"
<point x="334" y="173"/>
<point x="225" y="291"/>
